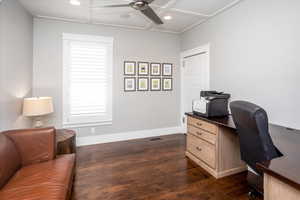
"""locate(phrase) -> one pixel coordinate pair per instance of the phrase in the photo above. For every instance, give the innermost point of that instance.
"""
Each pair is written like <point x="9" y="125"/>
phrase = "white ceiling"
<point x="186" y="13"/>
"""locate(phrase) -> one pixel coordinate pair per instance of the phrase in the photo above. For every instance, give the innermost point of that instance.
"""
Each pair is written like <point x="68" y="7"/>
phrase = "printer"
<point x="211" y="104"/>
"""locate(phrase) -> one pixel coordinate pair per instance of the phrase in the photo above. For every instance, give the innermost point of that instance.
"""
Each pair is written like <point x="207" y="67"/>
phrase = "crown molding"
<point x="104" y="24"/>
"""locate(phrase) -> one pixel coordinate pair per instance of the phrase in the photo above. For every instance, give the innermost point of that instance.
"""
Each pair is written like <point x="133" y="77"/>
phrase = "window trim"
<point x="88" y="121"/>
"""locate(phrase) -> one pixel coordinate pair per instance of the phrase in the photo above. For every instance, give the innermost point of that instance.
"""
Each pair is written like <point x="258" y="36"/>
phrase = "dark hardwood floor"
<point x="145" y="169"/>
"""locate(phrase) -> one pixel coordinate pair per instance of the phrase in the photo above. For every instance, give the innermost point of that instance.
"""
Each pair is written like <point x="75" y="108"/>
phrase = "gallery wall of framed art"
<point x="147" y="76"/>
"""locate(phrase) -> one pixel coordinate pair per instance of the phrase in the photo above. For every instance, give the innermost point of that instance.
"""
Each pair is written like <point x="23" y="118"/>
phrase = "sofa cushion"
<point x="36" y="192"/>
<point x="47" y="180"/>
<point x="10" y="160"/>
<point x="34" y="145"/>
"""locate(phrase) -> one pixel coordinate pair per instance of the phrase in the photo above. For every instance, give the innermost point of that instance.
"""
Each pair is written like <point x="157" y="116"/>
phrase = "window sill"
<point x="80" y="125"/>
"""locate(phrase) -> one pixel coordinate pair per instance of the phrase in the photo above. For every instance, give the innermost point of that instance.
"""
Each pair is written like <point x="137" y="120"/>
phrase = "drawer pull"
<point x="199" y="124"/>
<point x="199" y="149"/>
<point x="198" y="133"/>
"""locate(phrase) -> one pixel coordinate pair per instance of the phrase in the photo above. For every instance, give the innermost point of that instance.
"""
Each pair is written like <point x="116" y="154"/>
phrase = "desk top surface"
<point x="285" y="168"/>
<point x="221" y="121"/>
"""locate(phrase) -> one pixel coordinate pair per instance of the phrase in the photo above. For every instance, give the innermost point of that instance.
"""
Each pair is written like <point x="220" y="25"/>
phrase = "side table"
<point x="65" y="141"/>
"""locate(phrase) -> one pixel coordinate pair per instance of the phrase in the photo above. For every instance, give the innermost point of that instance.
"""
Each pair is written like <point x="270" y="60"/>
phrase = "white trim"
<point x="86" y="120"/>
<point x="84" y="37"/>
<point x="88" y="22"/>
<point x="195" y="51"/>
<point x="194" y="25"/>
<point x="226" y="7"/>
<point x="116" y="137"/>
<point x="80" y="125"/>
<point x="230" y="5"/>
<point x="190" y="12"/>
<point x="105" y="24"/>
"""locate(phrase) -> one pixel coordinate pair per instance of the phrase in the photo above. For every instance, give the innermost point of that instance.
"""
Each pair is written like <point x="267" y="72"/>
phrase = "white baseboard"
<point x="116" y="137"/>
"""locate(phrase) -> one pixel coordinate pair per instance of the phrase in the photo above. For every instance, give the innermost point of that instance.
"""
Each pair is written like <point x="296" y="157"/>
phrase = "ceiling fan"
<point x="140" y="5"/>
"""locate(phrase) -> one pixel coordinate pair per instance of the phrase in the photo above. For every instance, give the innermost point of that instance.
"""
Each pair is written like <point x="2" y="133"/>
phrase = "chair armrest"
<point x="34" y="145"/>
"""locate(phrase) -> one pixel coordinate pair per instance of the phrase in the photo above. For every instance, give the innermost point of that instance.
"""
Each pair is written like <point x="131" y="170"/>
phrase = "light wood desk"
<point x="213" y="144"/>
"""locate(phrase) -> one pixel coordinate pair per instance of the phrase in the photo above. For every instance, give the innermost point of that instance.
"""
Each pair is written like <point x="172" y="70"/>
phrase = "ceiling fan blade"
<point x="149" y="12"/>
<point x="113" y="6"/>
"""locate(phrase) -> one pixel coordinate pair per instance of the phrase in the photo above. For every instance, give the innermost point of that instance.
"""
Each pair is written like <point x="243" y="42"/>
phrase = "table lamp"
<point x="36" y="107"/>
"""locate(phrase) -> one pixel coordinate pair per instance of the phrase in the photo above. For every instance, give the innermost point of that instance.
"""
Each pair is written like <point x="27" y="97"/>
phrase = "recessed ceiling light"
<point x="168" y="17"/>
<point x="75" y="2"/>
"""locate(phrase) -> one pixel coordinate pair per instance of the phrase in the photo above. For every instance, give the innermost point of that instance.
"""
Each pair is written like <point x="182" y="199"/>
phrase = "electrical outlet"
<point x="93" y="130"/>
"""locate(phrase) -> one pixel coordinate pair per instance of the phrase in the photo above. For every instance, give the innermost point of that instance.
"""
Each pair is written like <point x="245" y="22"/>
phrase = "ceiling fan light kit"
<point x="75" y="2"/>
<point x="168" y="17"/>
<point x="142" y="6"/>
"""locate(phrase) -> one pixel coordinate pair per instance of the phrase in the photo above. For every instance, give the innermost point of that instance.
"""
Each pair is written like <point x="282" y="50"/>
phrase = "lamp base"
<point x="38" y="123"/>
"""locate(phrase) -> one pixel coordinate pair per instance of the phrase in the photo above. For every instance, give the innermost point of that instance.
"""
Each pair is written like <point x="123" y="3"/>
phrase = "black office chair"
<point x="255" y="142"/>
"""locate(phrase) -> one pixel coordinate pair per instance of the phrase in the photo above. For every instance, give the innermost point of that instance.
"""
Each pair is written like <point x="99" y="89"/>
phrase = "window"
<point x="87" y="80"/>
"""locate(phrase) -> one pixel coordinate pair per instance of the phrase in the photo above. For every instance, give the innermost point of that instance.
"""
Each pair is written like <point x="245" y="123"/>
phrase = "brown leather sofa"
<point x="29" y="168"/>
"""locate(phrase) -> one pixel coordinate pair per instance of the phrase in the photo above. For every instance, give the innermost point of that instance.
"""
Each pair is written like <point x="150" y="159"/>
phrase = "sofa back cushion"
<point x="10" y="160"/>
<point x="34" y="145"/>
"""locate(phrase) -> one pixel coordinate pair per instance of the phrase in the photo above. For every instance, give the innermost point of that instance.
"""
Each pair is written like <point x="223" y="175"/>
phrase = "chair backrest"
<point x="10" y="160"/>
<point x="253" y="128"/>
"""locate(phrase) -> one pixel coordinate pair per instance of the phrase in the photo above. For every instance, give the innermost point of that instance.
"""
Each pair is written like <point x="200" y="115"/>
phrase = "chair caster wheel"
<point x="253" y="195"/>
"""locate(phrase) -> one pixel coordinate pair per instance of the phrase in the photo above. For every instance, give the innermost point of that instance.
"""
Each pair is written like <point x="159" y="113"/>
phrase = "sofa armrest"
<point x="34" y="145"/>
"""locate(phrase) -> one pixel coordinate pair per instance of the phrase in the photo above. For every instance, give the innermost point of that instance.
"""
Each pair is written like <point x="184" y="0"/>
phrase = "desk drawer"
<point x="207" y="136"/>
<point x="202" y="150"/>
<point x="203" y="125"/>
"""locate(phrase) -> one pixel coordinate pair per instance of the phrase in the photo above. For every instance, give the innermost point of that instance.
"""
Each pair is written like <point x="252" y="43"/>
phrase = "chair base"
<point x="256" y="186"/>
<point x="254" y="195"/>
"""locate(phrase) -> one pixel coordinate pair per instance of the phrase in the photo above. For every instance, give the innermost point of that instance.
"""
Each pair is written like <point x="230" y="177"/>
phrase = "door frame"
<point x="204" y="49"/>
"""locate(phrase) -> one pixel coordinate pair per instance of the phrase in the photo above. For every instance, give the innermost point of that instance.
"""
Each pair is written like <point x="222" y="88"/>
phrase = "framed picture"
<point x="129" y="68"/>
<point x="167" y="84"/>
<point x="143" y="68"/>
<point x="129" y="84"/>
<point x="143" y="84"/>
<point x="155" y="84"/>
<point x="155" y="69"/>
<point x="167" y="69"/>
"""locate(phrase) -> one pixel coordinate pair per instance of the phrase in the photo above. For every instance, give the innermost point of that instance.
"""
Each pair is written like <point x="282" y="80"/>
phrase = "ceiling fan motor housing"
<point x="139" y="5"/>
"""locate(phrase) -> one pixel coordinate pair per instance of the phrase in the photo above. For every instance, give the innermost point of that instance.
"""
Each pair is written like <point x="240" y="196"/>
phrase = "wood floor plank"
<point x="145" y="169"/>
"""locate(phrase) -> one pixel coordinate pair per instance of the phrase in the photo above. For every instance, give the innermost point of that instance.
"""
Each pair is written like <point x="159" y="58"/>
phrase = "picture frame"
<point x="167" y="69"/>
<point x="155" y="84"/>
<point x="155" y="69"/>
<point x="129" y="68"/>
<point x="143" y="68"/>
<point x="167" y="84"/>
<point x="143" y="84"/>
<point x="129" y="84"/>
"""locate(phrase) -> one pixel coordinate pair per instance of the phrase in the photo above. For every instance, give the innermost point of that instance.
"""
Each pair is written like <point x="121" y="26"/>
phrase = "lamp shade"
<point x="37" y="106"/>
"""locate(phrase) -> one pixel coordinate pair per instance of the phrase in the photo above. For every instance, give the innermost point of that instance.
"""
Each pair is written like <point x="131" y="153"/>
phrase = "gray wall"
<point x="16" y="63"/>
<point x="255" y="55"/>
<point x="131" y="111"/>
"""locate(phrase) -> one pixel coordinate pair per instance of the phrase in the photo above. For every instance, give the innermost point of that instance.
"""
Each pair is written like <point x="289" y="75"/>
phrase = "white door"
<point x="195" y="77"/>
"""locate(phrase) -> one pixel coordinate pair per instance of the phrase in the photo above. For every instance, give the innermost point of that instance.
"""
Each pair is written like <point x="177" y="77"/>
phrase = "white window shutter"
<point x="87" y="79"/>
